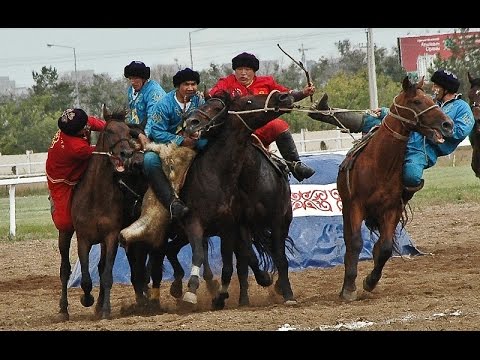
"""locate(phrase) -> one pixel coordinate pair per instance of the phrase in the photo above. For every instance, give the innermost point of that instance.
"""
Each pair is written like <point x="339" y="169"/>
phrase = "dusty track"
<point x="432" y="292"/>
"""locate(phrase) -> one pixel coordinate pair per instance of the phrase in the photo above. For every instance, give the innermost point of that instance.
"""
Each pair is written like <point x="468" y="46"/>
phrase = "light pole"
<point x="77" y="94"/>
<point x="190" y="44"/>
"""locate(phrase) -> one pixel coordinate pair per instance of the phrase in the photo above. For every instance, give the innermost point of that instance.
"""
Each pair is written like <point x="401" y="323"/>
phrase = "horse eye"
<point x="417" y="102"/>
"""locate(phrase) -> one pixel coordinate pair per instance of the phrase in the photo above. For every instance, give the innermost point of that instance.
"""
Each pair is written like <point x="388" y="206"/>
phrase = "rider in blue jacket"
<point x="421" y="153"/>
<point x="168" y="116"/>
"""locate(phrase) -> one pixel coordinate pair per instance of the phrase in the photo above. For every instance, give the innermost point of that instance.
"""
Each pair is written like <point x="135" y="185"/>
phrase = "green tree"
<point x="465" y="57"/>
<point x="104" y="90"/>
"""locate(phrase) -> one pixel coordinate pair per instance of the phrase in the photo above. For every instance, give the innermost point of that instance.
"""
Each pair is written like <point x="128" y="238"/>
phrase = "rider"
<point x="67" y="160"/>
<point x="143" y="94"/>
<point x="168" y="116"/>
<point x="421" y="153"/>
<point x="244" y="82"/>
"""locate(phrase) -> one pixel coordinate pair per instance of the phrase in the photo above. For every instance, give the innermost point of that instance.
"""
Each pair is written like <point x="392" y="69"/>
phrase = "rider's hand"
<point x="309" y="90"/>
<point x="143" y="140"/>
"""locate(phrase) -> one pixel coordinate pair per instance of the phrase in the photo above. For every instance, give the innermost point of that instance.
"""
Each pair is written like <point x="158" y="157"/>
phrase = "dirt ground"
<point x="437" y="291"/>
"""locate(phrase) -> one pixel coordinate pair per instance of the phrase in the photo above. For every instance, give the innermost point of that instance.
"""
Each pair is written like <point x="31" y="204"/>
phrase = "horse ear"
<point x="421" y="82"/>
<point x="406" y="84"/>
<point x="470" y="78"/>
<point x="104" y="112"/>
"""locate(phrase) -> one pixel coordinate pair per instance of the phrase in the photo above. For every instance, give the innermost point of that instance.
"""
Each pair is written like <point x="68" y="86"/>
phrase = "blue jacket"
<point x="461" y="114"/>
<point x="168" y="120"/>
<point x="143" y="103"/>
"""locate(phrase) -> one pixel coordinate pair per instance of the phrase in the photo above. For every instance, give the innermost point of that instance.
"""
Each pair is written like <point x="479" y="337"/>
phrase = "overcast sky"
<point x="108" y="50"/>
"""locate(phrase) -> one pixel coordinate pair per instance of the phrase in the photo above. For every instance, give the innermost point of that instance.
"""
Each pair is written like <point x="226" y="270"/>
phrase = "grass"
<point x="444" y="184"/>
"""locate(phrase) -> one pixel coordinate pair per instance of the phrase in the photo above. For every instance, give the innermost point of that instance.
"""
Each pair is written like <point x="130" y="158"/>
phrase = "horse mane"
<point x="116" y="115"/>
<point x="225" y="97"/>
<point x="474" y="81"/>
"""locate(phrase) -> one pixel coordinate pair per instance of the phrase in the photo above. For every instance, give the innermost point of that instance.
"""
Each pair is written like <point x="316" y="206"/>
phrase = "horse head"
<point x="474" y="98"/>
<point x="419" y="112"/>
<point x="253" y="111"/>
<point x="115" y="141"/>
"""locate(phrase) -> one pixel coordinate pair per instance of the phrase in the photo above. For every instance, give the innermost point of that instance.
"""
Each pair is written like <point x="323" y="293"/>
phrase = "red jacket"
<point x="68" y="155"/>
<point x="260" y="85"/>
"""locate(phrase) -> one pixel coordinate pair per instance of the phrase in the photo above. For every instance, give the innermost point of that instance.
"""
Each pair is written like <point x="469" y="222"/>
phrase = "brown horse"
<point x="474" y="98"/>
<point x="370" y="184"/>
<point x="98" y="212"/>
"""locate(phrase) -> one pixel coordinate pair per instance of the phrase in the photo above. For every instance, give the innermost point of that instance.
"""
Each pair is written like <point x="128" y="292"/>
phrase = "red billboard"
<point x="415" y="51"/>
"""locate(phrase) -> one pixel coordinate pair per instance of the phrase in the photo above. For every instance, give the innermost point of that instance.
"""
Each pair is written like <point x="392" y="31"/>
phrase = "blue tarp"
<point x="318" y="239"/>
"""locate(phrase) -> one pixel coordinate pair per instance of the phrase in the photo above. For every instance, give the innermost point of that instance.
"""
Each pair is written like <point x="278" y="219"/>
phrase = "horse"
<point x="370" y="184"/>
<point x="213" y="195"/>
<point x="99" y="211"/>
<point x="474" y="99"/>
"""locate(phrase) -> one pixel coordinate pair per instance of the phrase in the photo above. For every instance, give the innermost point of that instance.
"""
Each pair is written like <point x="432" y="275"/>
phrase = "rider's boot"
<point x="287" y="148"/>
<point x="166" y="195"/>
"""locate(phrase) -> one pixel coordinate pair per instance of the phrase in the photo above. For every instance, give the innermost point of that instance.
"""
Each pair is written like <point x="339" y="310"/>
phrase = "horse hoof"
<point x="176" y="289"/>
<point x="348" y="295"/>
<point x="218" y="303"/>
<point x="62" y="317"/>
<point x="264" y="279"/>
<point x="243" y="302"/>
<point x="87" y="300"/>
<point x="213" y="286"/>
<point x="190" y="297"/>
<point x="367" y="284"/>
<point x="290" y="302"/>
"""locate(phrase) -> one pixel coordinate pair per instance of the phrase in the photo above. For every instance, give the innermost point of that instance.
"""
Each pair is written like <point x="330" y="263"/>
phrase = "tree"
<point x="465" y="57"/>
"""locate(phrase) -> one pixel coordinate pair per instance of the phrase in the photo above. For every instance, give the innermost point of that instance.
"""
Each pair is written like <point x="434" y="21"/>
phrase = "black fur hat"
<point x="186" y="74"/>
<point x="246" y="60"/>
<point x="137" y="68"/>
<point x="72" y="121"/>
<point x="446" y="80"/>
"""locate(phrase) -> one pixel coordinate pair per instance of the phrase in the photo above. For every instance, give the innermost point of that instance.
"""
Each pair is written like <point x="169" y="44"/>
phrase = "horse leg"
<point x="137" y="256"/>
<point x="156" y="257"/>
<point x="212" y="285"/>
<point x="87" y="298"/>
<point x="173" y="248"/>
<point x="226" y="250"/>
<point x="262" y="277"/>
<point x="64" y="242"/>
<point x="281" y="263"/>
<point x="352" y="236"/>
<point x="382" y="251"/>
<point x="196" y="241"/>
<point x="243" y="248"/>
<point x="106" y="277"/>
<point x="100" y="269"/>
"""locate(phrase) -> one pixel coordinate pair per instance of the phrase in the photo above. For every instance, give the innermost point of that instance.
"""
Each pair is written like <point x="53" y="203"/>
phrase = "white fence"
<point x="11" y="183"/>
<point x="29" y="172"/>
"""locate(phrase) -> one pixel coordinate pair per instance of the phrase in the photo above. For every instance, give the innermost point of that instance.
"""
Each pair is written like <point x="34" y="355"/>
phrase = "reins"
<point x="397" y="116"/>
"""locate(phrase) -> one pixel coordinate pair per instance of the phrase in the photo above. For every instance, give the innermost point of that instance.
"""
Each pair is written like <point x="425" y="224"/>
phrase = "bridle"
<point x="416" y="122"/>
<point x="110" y="153"/>
<point x="211" y="123"/>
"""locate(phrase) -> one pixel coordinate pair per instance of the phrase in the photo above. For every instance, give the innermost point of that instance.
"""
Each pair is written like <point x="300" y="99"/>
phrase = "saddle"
<point x="278" y="163"/>
<point x="352" y="154"/>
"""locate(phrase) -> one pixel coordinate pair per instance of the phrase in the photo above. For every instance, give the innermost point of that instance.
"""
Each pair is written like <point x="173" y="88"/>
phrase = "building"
<point x="418" y="52"/>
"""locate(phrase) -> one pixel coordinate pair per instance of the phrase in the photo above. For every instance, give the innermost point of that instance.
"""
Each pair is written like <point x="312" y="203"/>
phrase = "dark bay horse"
<point x="265" y="217"/>
<point x="211" y="189"/>
<point x="474" y="100"/>
<point x="99" y="211"/>
<point x="370" y="184"/>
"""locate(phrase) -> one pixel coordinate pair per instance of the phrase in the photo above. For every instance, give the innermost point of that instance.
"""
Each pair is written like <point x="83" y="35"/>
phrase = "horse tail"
<point x="263" y="242"/>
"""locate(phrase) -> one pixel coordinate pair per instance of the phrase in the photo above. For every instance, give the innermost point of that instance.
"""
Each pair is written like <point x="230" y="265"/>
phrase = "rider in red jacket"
<point x="244" y="82"/>
<point x="67" y="160"/>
